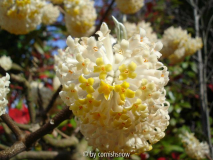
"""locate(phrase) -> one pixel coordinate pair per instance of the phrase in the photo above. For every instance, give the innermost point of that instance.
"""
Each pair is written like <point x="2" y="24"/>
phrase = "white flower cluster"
<point x="80" y="16"/>
<point x="132" y="29"/>
<point x="6" y="63"/>
<point x="4" y="90"/>
<point x="178" y="44"/>
<point x="116" y="92"/>
<point x="20" y="16"/>
<point x="193" y="147"/>
<point x="50" y="14"/>
<point x="129" y="6"/>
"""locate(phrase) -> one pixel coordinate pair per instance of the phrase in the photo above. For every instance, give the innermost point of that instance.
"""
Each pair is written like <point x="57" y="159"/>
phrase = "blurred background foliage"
<point x="33" y="53"/>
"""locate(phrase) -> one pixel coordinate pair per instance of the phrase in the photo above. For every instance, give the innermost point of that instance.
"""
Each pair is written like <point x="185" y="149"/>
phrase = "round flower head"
<point x="129" y="6"/>
<point x="6" y="63"/>
<point x="4" y="90"/>
<point x="50" y="14"/>
<point x="178" y="44"/>
<point x="193" y="147"/>
<point x="20" y="16"/>
<point x="132" y="29"/>
<point x="115" y="91"/>
<point x="80" y="16"/>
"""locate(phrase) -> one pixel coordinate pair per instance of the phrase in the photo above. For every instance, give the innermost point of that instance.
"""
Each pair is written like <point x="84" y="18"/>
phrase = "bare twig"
<point x="16" y="148"/>
<point x="28" y="95"/>
<point x="208" y="157"/>
<point x="63" y="143"/>
<point x="30" y="139"/>
<point x="61" y="133"/>
<point x="202" y="80"/>
<point x="8" y="132"/>
<point x="53" y="99"/>
<point x="14" y="128"/>
<point x="104" y="16"/>
<point x="3" y="147"/>
<point x="43" y="155"/>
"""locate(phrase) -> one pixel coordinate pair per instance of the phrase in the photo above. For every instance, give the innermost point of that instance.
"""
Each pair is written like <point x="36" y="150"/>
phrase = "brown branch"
<point x="61" y="133"/>
<point x="8" y="132"/>
<point x="30" y="139"/>
<point x="208" y="157"/>
<point x="24" y="126"/>
<point x="3" y="147"/>
<point x="62" y="143"/>
<point x="43" y="155"/>
<point x="16" y="148"/>
<point x="52" y="101"/>
<point x="48" y="127"/>
<point x="14" y="128"/>
<point x="28" y="95"/>
<point x="104" y="16"/>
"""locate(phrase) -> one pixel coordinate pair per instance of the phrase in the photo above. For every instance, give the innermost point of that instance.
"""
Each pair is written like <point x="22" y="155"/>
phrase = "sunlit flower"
<point x="119" y="101"/>
<point x="80" y="16"/>
<point x="194" y="148"/>
<point x="56" y="83"/>
<point x="50" y="14"/>
<point x="20" y="16"/>
<point x="129" y="6"/>
<point x="178" y="44"/>
<point x="6" y="63"/>
<point x="4" y="90"/>
<point x="132" y="29"/>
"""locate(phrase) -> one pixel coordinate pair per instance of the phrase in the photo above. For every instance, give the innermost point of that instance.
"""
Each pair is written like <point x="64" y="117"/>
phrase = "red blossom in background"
<point x="1" y="130"/>
<point x="175" y="156"/>
<point x="162" y="158"/>
<point x="210" y="87"/>
<point x="20" y="115"/>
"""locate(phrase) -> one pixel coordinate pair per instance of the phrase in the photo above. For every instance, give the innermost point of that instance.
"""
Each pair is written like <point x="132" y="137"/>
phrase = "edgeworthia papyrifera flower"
<point x="177" y="44"/>
<point x="194" y="148"/>
<point x="6" y="63"/>
<point x="115" y="91"/>
<point x="50" y="14"/>
<point x="80" y="16"/>
<point x="20" y="16"/>
<point x="129" y="6"/>
<point x="132" y="29"/>
<point x="4" y="90"/>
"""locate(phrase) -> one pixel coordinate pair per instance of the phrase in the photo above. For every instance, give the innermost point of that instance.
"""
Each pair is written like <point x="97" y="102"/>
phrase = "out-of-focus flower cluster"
<point x="129" y="6"/>
<point x="132" y="29"/>
<point x="194" y="148"/>
<point x="178" y="44"/>
<point x="4" y="90"/>
<point x="116" y="92"/>
<point x="20" y="16"/>
<point x="6" y="63"/>
<point x="80" y="16"/>
<point x="23" y="16"/>
<point x="50" y="14"/>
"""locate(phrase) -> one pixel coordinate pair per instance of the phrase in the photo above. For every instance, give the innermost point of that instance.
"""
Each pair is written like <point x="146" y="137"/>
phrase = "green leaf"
<point x="194" y="67"/>
<point x="184" y="65"/>
<point x="73" y="122"/>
